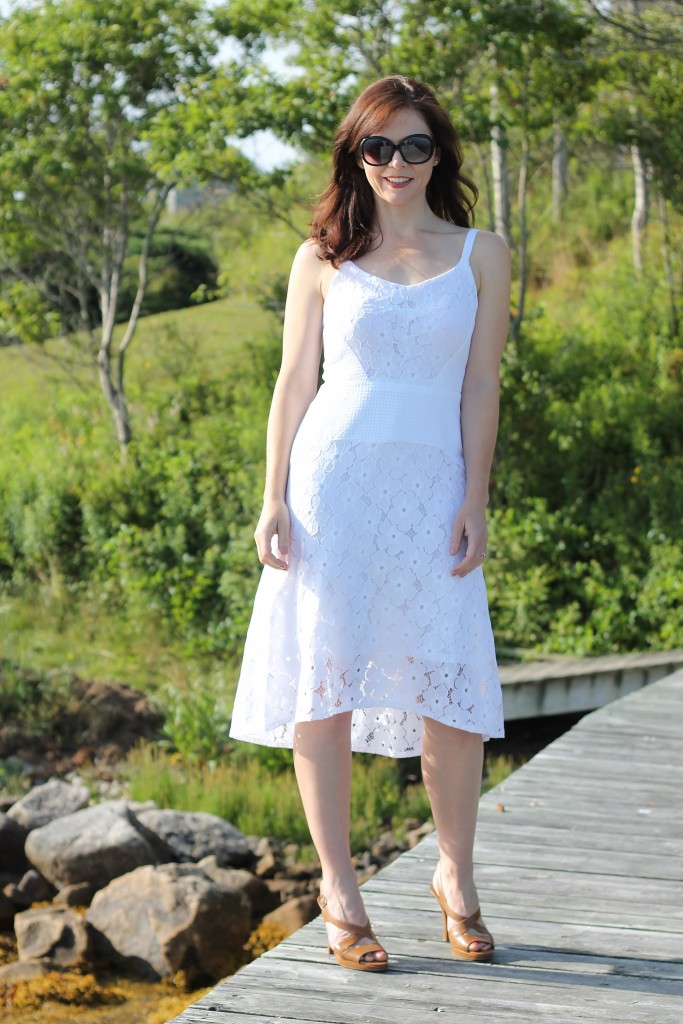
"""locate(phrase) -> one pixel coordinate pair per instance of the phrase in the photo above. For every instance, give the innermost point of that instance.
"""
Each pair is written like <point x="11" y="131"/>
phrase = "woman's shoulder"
<point x="309" y="270"/>
<point x="493" y="244"/>
<point x="490" y="260"/>
<point x="309" y="253"/>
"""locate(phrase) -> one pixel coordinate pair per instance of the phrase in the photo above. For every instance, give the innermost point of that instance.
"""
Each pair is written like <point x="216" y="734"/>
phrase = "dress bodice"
<point x="394" y="359"/>
<point x="374" y="329"/>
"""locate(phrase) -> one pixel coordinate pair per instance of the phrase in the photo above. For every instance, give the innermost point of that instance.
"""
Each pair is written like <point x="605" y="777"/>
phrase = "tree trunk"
<point x="560" y="159"/>
<point x="522" y="252"/>
<point x="116" y="400"/>
<point x="640" y="206"/>
<point x="668" y="268"/>
<point x="486" y="175"/>
<point x="499" y="170"/>
<point x="113" y="386"/>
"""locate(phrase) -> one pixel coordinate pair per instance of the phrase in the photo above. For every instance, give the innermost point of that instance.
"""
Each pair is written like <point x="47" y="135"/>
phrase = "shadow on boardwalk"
<point x="580" y="872"/>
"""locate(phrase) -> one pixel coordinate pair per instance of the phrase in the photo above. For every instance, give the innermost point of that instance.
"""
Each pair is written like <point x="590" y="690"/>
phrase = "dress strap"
<point x="469" y="242"/>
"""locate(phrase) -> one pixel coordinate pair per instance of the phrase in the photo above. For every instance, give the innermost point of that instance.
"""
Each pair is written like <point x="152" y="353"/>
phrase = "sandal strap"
<point x="465" y="921"/>
<point x="360" y="931"/>
<point x="349" y="951"/>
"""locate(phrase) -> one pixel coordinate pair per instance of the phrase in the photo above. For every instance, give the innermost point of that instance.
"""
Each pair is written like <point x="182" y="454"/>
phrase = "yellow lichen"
<point x="172" y="1006"/>
<point x="8" y="949"/>
<point x="263" y="938"/>
<point x="68" y="987"/>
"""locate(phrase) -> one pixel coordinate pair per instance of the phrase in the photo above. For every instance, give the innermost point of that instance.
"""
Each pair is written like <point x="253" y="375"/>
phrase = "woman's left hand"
<point x="469" y="528"/>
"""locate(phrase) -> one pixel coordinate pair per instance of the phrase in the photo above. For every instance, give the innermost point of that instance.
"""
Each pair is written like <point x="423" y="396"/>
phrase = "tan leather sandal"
<point x="348" y="955"/>
<point x="467" y="933"/>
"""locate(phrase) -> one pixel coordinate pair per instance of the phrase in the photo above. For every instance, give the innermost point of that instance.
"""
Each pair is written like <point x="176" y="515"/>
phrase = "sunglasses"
<point x="415" y="149"/>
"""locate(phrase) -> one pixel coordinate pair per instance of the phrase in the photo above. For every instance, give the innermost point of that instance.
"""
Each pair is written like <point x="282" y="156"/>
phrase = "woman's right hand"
<point x="274" y="520"/>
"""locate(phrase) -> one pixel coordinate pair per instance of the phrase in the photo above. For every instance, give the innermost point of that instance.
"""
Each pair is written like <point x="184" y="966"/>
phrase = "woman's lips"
<point x="399" y="183"/>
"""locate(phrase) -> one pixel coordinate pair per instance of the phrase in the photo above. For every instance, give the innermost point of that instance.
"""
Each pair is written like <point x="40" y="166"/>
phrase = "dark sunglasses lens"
<point x="377" y="150"/>
<point x="417" y="149"/>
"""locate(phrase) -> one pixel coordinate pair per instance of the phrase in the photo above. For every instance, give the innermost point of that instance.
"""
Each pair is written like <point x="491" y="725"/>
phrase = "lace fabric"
<point x="367" y="617"/>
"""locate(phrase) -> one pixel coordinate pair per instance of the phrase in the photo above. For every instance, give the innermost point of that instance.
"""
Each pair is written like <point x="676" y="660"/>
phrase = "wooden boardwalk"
<point x="580" y="873"/>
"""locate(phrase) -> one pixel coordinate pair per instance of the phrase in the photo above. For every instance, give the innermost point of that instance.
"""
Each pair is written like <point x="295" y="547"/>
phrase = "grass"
<point x="258" y="793"/>
<point x="50" y="628"/>
<point x="264" y="800"/>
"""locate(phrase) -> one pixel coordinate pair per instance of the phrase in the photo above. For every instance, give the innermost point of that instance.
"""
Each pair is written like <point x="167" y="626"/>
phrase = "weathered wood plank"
<point x="420" y="992"/>
<point x="555" y="895"/>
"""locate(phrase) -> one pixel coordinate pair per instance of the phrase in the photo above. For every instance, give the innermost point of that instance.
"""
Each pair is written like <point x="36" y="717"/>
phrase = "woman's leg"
<point x="322" y="762"/>
<point x="452" y="762"/>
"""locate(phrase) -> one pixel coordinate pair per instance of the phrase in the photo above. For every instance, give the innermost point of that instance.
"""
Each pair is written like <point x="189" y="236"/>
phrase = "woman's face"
<point x="399" y="182"/>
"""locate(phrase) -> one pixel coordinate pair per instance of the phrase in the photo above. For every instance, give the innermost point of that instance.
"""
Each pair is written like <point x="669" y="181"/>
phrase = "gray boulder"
<point x="159" y="920"/>
<point x="12" y="839"/>
<point x="93" y="845"/>
<point x="53" y="799"/>
<point x="58" y="933"/>
<point x="30" y="888"/>
<point x="192" y="835"/>
<point x="80" y="894"/>
<point x="260" y="897"/>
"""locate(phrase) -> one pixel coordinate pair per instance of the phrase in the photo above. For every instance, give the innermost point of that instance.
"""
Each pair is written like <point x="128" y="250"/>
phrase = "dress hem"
<point x="281" y="734"/>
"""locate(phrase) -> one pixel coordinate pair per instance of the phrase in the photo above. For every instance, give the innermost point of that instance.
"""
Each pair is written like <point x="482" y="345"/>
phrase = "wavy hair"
<point x="343" y="221"/>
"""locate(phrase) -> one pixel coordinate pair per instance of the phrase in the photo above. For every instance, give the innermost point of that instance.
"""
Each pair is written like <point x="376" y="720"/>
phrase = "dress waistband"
<point x="383" y="411"/>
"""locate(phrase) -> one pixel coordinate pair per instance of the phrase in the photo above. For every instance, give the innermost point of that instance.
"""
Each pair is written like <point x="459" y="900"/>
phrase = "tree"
<point x="641" y="108"/>
<point x="83" y="84"/>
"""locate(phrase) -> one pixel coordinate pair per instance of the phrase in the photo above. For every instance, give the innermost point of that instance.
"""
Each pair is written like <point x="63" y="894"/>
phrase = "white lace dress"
<point x="367" y="618"/>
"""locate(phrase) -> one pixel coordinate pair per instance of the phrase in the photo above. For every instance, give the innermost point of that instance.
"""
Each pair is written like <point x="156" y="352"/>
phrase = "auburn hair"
<point x="343" y="221"/>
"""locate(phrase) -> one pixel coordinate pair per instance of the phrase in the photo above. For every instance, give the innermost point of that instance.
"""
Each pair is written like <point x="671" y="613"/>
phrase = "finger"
<point x="476" y="556"/>
<point x="283" y="531"/>
<point x="265" y="551"/>
<point x="457" y="535"/>
<point x="276" y="563"/>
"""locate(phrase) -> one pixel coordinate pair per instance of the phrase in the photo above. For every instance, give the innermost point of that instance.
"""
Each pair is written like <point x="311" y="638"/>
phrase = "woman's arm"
<point x="480" y="396"/>
<point x="294" y="391"/>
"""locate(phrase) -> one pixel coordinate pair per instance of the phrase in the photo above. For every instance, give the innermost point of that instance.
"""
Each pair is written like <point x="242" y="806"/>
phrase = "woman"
<point x="370" y="629"/>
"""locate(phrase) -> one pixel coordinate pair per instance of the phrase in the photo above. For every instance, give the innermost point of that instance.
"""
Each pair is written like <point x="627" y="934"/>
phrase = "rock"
<point x="30" y="888"/>
<point x="301" y="872"/>
<point x="286" y="888"/>
<point x="27" y="970"/>
<point x="55" y="932"/>
<point x="159" y="920"/>
<point x="93" y="845"/>
<point x="80" y="894"/>
<point x="385" y="845"/>
<point x="261" y="899"/>
<point x="7" y="912"/>
<point x="266" y="866"/>
<point x="12" y="840"/>
<point x="192" y="835"/>
<point x="260" y="846"/>
<point x="114" y="717"/>
<point x="366" y="873"/>
<point x="53" y="799"/>
<point x="294" y="914"/>
<point x="6" y="802"/>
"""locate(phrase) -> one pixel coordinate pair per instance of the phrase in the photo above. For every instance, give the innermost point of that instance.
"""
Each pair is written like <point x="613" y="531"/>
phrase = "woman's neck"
<point x="402" y="223"/>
